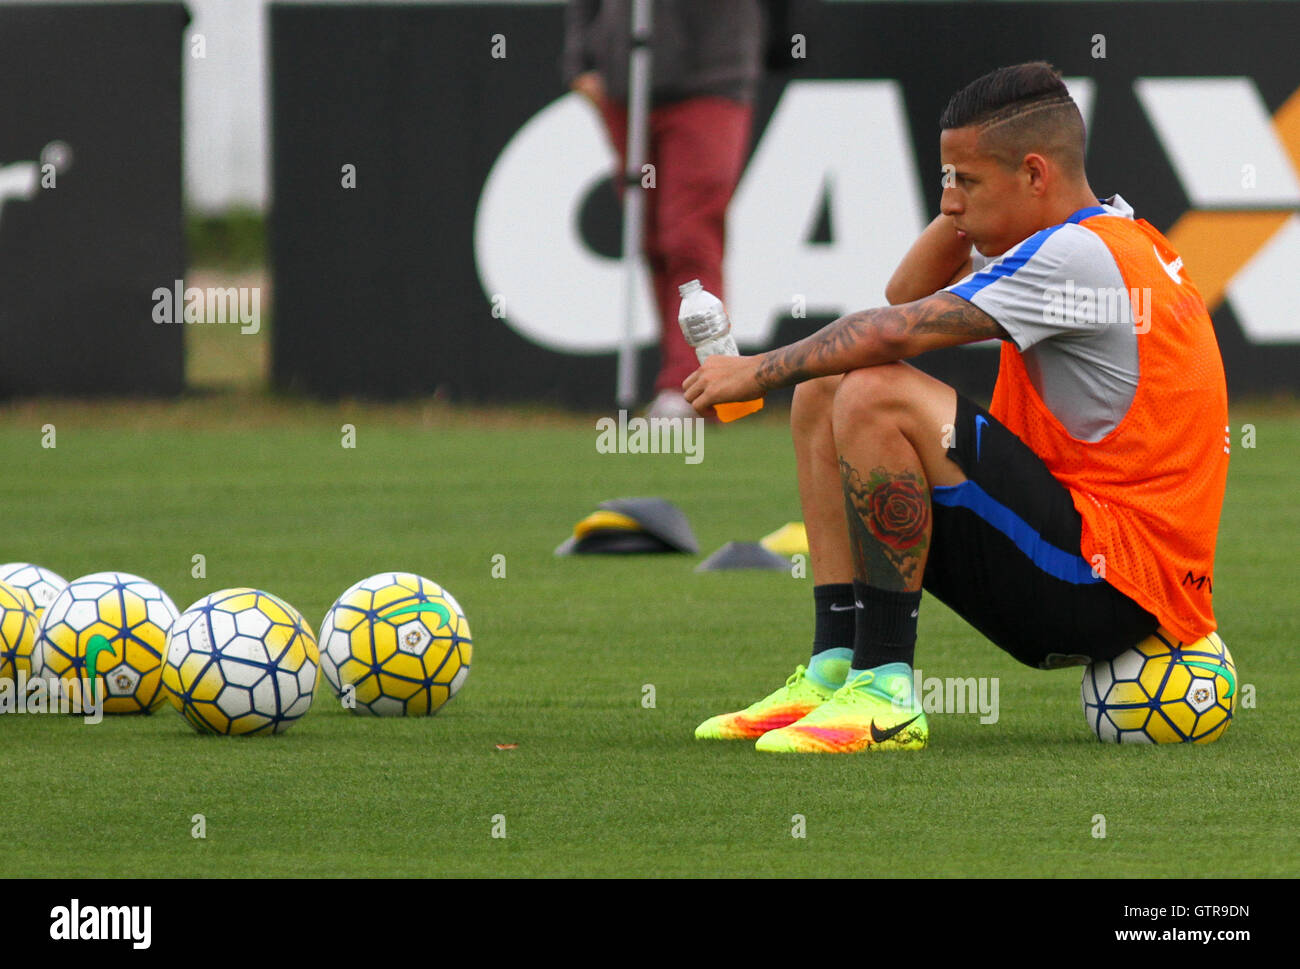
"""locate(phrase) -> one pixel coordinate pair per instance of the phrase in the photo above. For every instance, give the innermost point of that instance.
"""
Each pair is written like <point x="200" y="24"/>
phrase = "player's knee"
<point x="813" y="400"/>
<point x="872" y="392"/>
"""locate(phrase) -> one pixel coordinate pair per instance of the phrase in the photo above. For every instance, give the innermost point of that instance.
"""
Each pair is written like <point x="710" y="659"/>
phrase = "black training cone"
<point x="743" y="555"/>
<point x="631" y="526"/>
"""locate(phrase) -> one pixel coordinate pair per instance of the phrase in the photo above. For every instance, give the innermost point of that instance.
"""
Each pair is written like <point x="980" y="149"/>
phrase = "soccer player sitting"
<point x="1067" y="522"/>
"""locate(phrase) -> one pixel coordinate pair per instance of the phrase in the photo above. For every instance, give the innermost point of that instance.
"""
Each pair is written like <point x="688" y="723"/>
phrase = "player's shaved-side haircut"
<point x="1018" y="110"/>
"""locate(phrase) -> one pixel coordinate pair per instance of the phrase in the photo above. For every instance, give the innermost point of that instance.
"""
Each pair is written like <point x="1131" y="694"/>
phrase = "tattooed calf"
<point x="889" y="525"/>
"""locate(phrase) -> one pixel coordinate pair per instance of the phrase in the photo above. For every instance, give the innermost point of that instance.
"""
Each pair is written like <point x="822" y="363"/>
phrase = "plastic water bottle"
<point x="707" y="328"/>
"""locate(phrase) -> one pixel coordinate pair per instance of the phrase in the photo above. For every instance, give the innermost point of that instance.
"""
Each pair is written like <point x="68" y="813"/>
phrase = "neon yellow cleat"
<point x="863" y="715"/>
<point x="799" y="697"/>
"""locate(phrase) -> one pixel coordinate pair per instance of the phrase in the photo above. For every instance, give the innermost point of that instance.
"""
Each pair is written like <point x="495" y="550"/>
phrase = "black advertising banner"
<point x="90" y="197"/>
<point x="444" y="223"/>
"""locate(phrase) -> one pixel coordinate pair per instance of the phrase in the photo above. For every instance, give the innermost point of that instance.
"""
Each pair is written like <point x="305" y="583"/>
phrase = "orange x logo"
<point x="1216" y="245"/>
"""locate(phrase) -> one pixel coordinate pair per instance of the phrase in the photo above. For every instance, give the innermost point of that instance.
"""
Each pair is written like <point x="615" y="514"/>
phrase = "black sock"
<point x="886" y="629"/>
<point x="835" y="626"/>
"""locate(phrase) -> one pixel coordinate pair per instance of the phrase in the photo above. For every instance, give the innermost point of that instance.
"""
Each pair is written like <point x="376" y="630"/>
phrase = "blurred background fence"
<point x="441" y="220"/>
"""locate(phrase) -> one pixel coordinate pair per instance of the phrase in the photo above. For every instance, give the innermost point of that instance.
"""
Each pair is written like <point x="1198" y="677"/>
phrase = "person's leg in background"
<point x="699" y="148"/>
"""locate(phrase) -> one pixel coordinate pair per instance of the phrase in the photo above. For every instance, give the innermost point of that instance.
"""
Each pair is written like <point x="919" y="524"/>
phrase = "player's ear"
<point x="1037" y="171"/>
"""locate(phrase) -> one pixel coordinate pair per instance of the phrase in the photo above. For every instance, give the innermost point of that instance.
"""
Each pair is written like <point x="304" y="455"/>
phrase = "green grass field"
<point x="599" y="784"/>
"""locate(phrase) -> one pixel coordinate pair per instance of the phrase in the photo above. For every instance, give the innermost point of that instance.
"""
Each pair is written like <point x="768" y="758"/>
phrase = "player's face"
<point x="991" y="204"/>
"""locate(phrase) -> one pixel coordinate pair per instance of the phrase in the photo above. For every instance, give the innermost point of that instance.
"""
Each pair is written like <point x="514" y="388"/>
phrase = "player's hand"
<point x="720" y="380"/>
<point x="591" y="86"/>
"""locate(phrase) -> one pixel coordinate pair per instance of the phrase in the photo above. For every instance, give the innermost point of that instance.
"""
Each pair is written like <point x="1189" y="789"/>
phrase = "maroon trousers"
<point x="698" y="148"/>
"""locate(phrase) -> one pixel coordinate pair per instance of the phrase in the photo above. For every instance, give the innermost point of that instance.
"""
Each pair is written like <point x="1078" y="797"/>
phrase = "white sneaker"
<point x="671" y="403"/>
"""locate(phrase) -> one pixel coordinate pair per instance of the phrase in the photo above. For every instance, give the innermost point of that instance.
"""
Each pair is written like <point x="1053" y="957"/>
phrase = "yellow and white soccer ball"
<point x="111" y="625"/>
<point x="241" y="661"/>
<point x="1163" y="692"/>
<point x="396" y="644"/>
<point x="17" y="632"/>
<point x="38" y="582"/>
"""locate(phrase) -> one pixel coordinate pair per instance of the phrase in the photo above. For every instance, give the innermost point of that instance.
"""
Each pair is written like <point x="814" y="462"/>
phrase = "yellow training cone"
<point x="788" y="540"/>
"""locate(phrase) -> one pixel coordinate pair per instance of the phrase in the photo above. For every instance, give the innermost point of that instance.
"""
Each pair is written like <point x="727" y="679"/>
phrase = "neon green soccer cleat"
<point x="863" y="715"/>
<point x="799" y="697"/>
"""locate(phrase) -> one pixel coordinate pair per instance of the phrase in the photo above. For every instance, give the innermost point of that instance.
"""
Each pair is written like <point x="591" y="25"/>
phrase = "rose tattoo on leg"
<point x="889" y="526"/>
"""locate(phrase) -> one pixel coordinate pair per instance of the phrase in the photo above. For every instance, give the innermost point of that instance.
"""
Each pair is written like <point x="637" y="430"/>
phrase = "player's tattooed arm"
<point x="889" y="526"/>
<point x="876" y="336"/>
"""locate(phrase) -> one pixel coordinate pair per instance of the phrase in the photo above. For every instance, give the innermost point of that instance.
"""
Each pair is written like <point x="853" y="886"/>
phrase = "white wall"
<point x="227" y="141"/>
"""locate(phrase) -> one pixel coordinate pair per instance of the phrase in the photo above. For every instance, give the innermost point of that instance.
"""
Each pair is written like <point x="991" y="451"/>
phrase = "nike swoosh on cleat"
<point x="879" y="736"/>
<point x="842" y="608"/>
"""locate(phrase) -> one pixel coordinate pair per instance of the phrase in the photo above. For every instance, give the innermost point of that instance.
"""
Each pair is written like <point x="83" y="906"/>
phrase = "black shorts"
<point x="1004" y="555"/>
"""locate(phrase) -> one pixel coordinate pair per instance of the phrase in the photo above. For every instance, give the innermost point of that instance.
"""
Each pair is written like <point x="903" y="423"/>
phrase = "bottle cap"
<point x="685" y="289"/>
